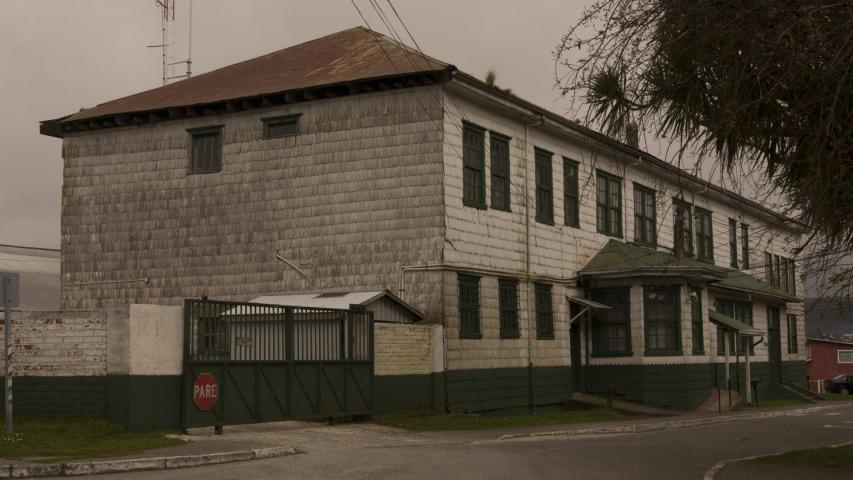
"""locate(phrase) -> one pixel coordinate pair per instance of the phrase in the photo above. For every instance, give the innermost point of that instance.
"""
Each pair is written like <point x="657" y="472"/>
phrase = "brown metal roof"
<point x="347" y="56"/>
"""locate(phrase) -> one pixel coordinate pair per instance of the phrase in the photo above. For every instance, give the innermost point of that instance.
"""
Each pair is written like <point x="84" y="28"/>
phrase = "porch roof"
<point x="736" y="325"/>
<point x="619" y="260"/>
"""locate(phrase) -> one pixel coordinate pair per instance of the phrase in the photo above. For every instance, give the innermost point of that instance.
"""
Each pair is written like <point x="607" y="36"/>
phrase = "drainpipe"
<point x="530" y="328"/>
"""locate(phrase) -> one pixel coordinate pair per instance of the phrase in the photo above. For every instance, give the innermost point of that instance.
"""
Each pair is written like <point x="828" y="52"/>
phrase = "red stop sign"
<point x="205" y="391"/>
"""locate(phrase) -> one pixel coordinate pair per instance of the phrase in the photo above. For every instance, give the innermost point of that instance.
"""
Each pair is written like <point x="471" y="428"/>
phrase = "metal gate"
<point x="246" y="362"/>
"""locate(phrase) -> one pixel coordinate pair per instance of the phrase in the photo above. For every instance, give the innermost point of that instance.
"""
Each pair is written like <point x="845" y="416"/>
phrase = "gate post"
<point x="185" y="380"/>
<point x="289" y="355"/>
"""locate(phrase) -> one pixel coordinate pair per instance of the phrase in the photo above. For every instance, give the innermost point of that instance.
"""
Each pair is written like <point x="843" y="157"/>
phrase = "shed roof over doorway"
<point x="385" y="306"/>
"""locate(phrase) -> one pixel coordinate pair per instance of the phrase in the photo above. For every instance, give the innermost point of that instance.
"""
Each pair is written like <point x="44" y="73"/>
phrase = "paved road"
<point x="372" y="452"/>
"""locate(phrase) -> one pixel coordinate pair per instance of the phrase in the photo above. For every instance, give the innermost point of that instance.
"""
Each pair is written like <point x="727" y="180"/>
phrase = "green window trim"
<point x="608" y="204"/>
<point x="744" y="242"/>
<point x="544" y="311"/>
<point x="469" y="306"/>
<point x="776" y="271"/>
<point x="473" y="166"/>
<point x="645" y="216"/>
<point x="500" y="171"/>
<point x="793" y="346"/>
<point x="544" y="186"/>
<point x="792" y="271"/>
<point x="680" y="207"/>
<point x="704" y="235"/>
<point x="571" y="193"/>
<point x="611" y="329"/>
<point x="508" y="305"/>
<point x="733" y="244"/>
<point x="697" y="321"/>
<point x="662" y="320"/>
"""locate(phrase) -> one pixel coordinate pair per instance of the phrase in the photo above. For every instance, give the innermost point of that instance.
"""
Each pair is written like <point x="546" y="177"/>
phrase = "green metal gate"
<point x="247" y="363"/>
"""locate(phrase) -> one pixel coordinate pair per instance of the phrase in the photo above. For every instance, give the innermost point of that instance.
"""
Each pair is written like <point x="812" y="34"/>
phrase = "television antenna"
<point x="167" y="41"/>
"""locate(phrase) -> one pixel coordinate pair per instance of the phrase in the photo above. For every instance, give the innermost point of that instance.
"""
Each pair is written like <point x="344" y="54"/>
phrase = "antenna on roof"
<point x="167" y="43"/>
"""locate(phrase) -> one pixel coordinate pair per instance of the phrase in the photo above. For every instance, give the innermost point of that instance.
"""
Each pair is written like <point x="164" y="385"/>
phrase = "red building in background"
<point x="826" y="359"/>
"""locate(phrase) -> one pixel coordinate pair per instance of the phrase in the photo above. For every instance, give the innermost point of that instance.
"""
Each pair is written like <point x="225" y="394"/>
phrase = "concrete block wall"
<point x="407" y="349"/>
<point x="58" y="344"/>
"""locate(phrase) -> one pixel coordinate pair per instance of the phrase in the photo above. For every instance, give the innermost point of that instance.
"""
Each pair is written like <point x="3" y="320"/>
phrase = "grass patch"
<point x="421" y="421"/>
<point x="828" y="457"/>
<point x="76" y="437"/>
<point x="837" y="397"/>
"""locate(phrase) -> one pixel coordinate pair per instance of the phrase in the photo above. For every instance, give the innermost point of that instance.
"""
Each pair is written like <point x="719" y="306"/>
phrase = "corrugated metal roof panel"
<point x="336" y="300"/>
<point x="347" y="56"/>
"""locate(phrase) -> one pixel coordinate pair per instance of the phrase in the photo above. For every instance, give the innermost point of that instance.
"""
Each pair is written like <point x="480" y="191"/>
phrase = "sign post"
<point x="9" y="287"/>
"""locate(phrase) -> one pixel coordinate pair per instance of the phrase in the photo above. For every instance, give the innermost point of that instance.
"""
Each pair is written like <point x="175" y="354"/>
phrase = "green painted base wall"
<point x="145" y="402"/>
<point x="408" y="392"/>
<point x="685" y="387"/>
<point x="59" y="395"/>
<point x="492" y="389"/>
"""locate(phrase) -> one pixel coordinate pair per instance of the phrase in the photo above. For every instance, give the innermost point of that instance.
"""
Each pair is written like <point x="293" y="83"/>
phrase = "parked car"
<point x="842" y="384"/>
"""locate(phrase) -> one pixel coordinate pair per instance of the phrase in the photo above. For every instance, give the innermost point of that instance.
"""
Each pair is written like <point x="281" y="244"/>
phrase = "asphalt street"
<point x="363" y="451"/>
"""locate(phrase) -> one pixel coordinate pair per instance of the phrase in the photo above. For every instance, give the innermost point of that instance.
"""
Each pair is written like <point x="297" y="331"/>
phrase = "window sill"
<point x="544" y="337"/>
<point x="545" y="222"/>
<point x="612" y="354"/>
<point x="614" y="235"/>
<point x="473" y="205"/>
<point x="698" y="352"/>
<point x="663" y="353"/>
<point x="470" y="335"/>
<point x="202" y="172"/>
<point x="510" y="336"/>
<point x="501" y="209"/>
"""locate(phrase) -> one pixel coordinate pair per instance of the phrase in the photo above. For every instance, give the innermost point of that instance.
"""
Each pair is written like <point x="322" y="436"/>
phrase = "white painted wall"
<point x="147" y="340"/>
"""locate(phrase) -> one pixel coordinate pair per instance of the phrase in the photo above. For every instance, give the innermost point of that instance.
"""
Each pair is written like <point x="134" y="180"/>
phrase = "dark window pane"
<point x="645" y="216"/>
<point x="469" y="306"/>
<point x="473" y="178"/>
<point x="570" y="185"/>
<point x="544" y="312"/>
<point x="661" y="319"/>
<point x="508" y="303"/>
<point x="544" y="188"/>
<point x="733" y="243"/>
<point x="205" y="150"/>
<point x="500" y="172"/>
<point x="744" y="241"/>
<point x="281" y="126"/>
<point x="611" y="328"/>
<point x="609" y="200"/>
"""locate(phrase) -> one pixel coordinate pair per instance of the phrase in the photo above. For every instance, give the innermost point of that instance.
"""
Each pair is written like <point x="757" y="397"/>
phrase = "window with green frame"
<point x="508" y="304"/>
<point x="704" y="236"/>
<point x="609" y="203"/>
<point x="662" y="320"/>
<point x="571" y="197"/>
<point x="544" y="187"/>
<point x="744" y="243"/>
<point x="683" y="211"/>
<point x="611" y="329"/>
<point x="499" y="153"/>
<point x="768" y="269"/>
<point x="645" y="216"/>
<point x="697" y="320"/>
<point x="469" y="306"/>
<point x="473" y="166"/>
<point x="792" y="334"/>
<point x="733" y="243"/>
<point x="544" y="312"/>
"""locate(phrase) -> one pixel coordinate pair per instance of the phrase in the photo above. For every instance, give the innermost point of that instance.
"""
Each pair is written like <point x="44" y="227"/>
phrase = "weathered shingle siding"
<point x="354" y="196"/>
<point x="495" y="239"/>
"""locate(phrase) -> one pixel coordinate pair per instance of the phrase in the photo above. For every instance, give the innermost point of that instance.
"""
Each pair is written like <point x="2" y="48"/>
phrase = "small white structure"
<point x="386" y="307"/>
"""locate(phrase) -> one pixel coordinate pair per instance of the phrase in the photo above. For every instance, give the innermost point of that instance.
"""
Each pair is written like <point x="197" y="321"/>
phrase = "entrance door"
<point x="774" y="345"/>
<point x="577" y="367"/>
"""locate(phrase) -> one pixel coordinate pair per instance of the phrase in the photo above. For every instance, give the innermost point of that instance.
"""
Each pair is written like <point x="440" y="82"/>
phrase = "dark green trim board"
<point x="145" y="402"/>
<point x="497" y="388"/>
<point x="55" y="395"/>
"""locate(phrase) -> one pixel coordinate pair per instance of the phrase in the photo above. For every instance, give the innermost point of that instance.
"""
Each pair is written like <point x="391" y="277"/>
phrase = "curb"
<point x="711" y="474"/>
<point x="139" y="464"/>
<point x="673" y="424"/>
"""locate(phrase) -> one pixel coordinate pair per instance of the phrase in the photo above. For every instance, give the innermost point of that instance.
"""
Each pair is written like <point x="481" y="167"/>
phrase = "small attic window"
<point x="205" y="149"/>
<point x="283" y="126"/>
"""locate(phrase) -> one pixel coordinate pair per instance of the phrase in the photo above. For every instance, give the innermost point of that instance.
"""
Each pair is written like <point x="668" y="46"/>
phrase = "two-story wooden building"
<point x="353" y="162"/>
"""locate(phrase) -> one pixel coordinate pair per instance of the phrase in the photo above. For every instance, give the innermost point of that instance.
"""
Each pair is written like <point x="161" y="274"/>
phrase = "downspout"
<point x="530" y="329"/>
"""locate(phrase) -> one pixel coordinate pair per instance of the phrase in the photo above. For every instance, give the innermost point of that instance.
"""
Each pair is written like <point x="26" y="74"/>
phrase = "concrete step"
<point x="803" y="392"/>
<point x="720" y="400"/>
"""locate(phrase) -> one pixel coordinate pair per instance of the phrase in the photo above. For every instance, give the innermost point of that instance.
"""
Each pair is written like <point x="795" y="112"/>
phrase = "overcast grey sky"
<point x="59" y="56"/>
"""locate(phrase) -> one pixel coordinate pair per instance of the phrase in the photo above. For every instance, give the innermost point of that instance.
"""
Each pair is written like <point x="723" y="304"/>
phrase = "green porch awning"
<point x="736" y="325"/>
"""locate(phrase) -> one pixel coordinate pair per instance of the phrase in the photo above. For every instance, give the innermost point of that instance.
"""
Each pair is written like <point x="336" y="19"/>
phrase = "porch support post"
<point x="748" y="374"/>
<point x="726" y="335"/>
